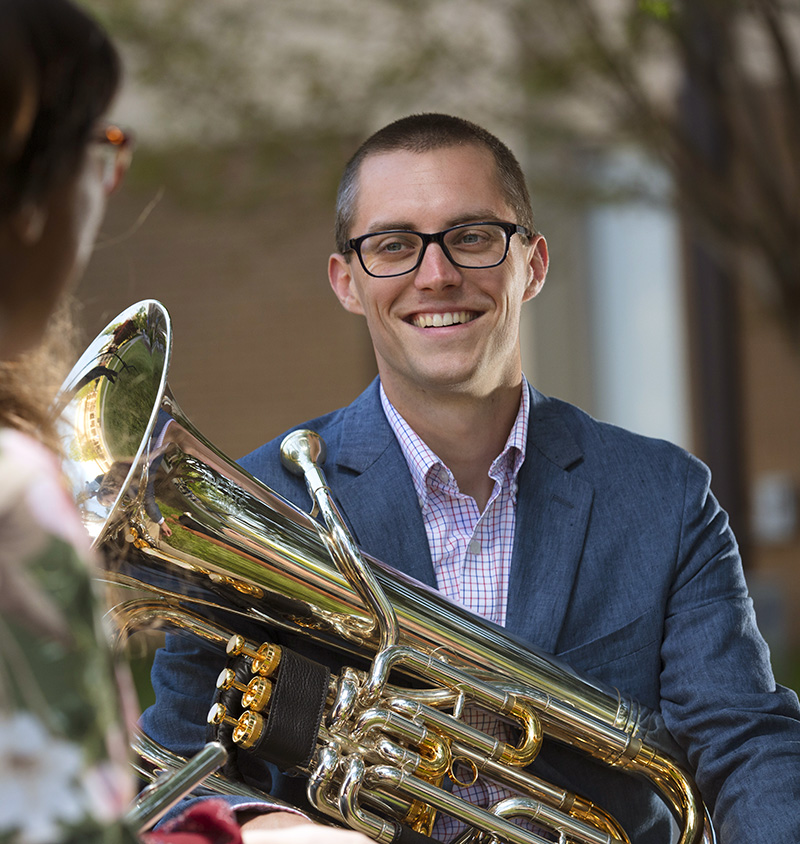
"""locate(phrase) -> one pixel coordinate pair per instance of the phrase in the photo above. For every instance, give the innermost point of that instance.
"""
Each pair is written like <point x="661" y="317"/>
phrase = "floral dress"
<point x="64" y="772"/>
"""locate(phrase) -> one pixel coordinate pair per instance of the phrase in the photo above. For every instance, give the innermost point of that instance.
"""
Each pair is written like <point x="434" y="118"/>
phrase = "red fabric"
<point x="207" y="822"/>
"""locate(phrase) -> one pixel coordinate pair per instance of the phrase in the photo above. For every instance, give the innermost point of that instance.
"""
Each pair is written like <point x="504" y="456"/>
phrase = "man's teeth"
<point x="437" y="320"/>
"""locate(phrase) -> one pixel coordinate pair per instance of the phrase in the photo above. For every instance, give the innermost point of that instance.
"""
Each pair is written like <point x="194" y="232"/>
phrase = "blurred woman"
<point x="64" y="771"/>
<point x="63" y="760"/>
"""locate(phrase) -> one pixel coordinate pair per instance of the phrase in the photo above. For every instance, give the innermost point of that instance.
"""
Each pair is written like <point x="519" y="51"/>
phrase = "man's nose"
<point x="436" y="270"/>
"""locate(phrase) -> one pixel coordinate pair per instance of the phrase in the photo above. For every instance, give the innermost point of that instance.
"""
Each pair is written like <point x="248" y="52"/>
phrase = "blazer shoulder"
<point x="337" y="428"/>
<point x="264" y="462"/>
<point x="605" y="447"/>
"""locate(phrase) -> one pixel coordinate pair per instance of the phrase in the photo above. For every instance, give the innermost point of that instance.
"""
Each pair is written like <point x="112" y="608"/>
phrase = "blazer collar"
<point x="548" y="432"/>
<point x="366" y="434"/>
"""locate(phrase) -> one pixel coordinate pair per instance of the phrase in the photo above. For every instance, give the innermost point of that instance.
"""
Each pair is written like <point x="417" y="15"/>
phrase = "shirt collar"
<point x="425" y="466"/>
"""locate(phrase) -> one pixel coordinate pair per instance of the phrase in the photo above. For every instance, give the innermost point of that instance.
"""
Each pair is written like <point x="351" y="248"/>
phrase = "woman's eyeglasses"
<point x="116" y="147"/>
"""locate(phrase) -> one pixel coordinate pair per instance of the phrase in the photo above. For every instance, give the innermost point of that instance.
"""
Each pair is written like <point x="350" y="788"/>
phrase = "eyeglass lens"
<point x="392" y="253"/>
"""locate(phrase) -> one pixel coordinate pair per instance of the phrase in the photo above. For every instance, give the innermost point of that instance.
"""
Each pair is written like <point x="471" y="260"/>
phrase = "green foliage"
<point x="661" y="10"/>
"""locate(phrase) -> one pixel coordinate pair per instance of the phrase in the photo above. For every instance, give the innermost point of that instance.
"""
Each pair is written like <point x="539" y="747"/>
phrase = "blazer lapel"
<point x="553" y="507"/>
<point x="376" y="493"/>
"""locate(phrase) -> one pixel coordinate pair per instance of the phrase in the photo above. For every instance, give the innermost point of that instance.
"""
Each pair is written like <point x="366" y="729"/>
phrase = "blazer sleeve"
<point x="719" y="698"/>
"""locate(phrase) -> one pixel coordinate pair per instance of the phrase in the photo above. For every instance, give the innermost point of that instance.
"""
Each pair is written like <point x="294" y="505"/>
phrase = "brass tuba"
<point x="236" y="556"/>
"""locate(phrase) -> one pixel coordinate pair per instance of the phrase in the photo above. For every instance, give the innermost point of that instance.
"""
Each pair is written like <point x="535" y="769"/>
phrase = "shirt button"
<point x="474" y="547"/>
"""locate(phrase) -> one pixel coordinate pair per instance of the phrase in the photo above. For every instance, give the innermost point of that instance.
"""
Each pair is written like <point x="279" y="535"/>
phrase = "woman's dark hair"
<point x="58" y="74"/>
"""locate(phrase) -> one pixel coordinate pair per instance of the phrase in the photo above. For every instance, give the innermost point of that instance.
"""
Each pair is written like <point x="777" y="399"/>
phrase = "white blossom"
<point x="40" y="781"/>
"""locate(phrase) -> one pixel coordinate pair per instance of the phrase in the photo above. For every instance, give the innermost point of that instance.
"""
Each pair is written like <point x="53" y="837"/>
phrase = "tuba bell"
<point x="192" y="542"/>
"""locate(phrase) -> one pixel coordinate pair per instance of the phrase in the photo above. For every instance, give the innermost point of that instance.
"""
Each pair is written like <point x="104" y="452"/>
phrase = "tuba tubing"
<point x="241" y="553"/>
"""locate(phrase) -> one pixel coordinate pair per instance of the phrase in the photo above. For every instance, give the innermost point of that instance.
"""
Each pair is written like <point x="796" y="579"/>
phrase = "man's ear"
<point x="28" y="222"/>
<point x="538" y="261"/>
<point x="341" y="278"/>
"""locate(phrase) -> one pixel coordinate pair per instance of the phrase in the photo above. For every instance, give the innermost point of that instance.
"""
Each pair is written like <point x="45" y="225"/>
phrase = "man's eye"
<point x="471" y="237"/>
<point x="393" y="245"/>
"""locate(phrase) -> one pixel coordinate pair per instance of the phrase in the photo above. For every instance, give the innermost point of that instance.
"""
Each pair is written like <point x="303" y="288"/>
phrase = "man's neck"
<point x="466" y="432"/>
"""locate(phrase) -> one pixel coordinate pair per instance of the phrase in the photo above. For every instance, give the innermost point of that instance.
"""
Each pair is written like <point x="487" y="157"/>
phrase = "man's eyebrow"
<point x="390" y="225"/>
<point x="478" y="216"/>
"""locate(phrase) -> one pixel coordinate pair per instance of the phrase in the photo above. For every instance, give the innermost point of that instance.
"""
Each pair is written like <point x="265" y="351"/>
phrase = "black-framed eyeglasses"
<point x="470" y="246"/>
<point x="116" y="147"/>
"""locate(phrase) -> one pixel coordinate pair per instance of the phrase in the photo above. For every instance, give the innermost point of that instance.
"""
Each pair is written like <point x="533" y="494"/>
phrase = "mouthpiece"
<point x="302" y="447"/>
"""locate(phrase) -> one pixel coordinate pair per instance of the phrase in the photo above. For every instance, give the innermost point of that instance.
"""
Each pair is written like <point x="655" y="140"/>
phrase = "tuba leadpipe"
<point x="240" y="557"/>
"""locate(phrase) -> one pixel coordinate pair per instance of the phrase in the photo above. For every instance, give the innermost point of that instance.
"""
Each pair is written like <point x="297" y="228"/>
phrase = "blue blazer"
<point x="624" y="566"/>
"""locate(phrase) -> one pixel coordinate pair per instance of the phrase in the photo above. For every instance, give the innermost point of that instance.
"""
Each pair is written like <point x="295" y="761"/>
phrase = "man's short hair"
<point x="422" y="133"/>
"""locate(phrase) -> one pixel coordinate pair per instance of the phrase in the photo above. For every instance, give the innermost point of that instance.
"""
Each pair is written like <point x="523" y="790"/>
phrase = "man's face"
<point x="479" y="351"/>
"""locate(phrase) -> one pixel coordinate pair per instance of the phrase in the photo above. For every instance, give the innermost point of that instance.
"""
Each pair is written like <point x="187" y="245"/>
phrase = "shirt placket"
<point x="453" y="528"/>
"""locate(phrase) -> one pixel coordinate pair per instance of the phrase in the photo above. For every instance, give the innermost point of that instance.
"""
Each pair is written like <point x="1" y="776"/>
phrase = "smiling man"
<point x="583" y="539"/>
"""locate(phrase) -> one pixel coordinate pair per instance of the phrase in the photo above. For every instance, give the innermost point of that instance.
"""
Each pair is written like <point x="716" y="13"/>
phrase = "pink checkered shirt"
<point x="471" y="551"/>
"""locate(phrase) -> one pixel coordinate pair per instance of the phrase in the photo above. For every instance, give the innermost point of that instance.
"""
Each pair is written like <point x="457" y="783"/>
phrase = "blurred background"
<point x="660" y="139"/>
